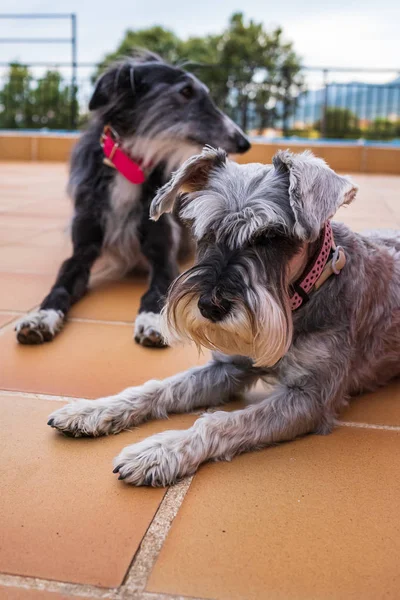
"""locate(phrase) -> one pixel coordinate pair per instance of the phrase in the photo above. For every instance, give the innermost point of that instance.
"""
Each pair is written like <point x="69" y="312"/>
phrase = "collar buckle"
<point x="338" y="260"/>
<point x="320" y="269"/>
<point x="108" y="131"/>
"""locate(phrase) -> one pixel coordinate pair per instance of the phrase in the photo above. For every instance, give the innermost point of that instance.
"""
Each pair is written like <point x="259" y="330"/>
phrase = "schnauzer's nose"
<point x="213" y="310"/>
<point x="242" y="143"/>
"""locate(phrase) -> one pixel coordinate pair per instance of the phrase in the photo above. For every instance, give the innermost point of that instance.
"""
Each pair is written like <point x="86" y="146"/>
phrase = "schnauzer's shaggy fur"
<point x="257" y="227"/>
<point x="162" y="115"/>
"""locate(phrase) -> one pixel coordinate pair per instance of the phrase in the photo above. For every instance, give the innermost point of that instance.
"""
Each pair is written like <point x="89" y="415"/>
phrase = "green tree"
<point x="261" y="69"/>
<point x="156" y="39"/>
<point x="339" y="123"/>
<point x="289" y="82"/>
<point x="382" y="129"/>
<point x="53" y="104"/>
<point x="249" y="70"/>
<point x="245" y="53"/>
<point x="26" y="103"/>
<point x="16" y="109"/>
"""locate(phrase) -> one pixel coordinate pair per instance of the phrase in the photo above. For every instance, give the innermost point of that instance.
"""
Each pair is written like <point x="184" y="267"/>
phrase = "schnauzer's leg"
<point x="71" y="284"/>
<point x="166" y="457"/>
<point x="205" y="386"/>
<point x="159" y="245"/>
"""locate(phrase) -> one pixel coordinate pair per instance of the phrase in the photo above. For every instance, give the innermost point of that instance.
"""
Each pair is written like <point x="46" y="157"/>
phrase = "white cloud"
<point x="347" y="38"/>
<point x="346" y="33"/>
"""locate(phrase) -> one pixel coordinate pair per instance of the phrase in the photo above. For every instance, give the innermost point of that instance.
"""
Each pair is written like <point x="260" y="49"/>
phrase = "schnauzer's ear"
<point x="191" y="177"/>
<point x="315" y="191"/>
<point x="116" y="79"/>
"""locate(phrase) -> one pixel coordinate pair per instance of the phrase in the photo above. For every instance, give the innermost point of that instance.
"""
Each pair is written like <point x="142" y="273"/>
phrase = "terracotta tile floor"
<point x="314" y="519"/>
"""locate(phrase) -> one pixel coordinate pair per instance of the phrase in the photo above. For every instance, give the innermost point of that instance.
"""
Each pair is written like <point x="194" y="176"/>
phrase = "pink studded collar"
<point x="328" y="260"/>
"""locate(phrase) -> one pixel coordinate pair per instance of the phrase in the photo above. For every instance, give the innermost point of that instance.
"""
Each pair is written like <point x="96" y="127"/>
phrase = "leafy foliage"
<point x="26" y="103"/>
<point x="253" y="74"/>
<point x="249" y="70"/>
<point x="339" y="123"/>
<point x="15" y="99"/>
<point x="383" y="129"/>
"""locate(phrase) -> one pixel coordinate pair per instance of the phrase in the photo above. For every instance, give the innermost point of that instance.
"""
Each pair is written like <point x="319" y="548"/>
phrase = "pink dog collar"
<point x="320" y="269"/>
<point x="116" y="158"/>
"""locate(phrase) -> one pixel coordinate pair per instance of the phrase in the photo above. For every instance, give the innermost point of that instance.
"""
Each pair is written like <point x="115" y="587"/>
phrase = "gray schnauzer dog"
<point x="277" y="296"/>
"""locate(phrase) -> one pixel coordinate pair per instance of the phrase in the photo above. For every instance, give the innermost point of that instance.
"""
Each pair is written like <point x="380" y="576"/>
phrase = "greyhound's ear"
<point x="119" y="77"/>
<point x="142" y="55"/>
<point x="191" y="177"/>
<point x="315" y="191"/>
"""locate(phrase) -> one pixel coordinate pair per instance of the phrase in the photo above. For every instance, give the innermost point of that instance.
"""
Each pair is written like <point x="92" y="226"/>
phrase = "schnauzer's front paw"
<point x="148" y="330"/>
<point x="160" y="460"/>
<point x="40" y="326"/>
<point x="86" y="418"/>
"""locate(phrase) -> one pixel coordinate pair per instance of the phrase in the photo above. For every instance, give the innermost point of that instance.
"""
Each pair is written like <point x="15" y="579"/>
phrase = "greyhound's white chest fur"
<point x="121" y="225"/>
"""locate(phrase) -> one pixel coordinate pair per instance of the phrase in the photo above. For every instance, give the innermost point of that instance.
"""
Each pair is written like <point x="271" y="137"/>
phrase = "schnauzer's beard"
<point x="257" y="326"/>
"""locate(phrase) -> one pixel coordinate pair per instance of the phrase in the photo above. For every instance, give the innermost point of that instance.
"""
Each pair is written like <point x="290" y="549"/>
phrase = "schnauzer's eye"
<point x="261" y="239"/>
<point x="187" y="92"/>
<point x="265" y="239"/>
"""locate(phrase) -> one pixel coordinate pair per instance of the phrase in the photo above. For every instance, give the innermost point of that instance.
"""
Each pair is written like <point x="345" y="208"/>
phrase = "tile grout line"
<point x="58" y="587"/>
<point x="369" y="426"/>
<point x="7" y="323"/>
<point x="97" y="321"/>
<point x="7" y="271"/>
<point x="19" y="313"/>
<point x="138" y="573"/>
<point x="60" y="398"/>
<point x="34" y="396"/>
<point x="18" y="316"/>
<point x="162" y="596"/>
<point x="82" y="590"/>
<point x="153" y="540"/>
<point x="143" y="561"/>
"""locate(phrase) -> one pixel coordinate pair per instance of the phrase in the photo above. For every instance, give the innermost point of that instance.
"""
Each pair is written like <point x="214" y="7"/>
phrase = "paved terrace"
<point x="314" y="519"/>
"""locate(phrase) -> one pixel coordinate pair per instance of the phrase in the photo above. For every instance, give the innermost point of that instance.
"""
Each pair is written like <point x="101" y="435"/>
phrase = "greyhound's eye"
<point x="187" y="92"/>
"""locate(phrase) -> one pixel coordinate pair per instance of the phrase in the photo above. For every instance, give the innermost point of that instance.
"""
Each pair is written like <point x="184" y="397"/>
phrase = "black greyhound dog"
<point x="148" y="117"/>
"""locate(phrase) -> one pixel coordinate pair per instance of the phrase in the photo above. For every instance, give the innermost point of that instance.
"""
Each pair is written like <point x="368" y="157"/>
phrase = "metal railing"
<point x="72" y="41"/>
<point x="340" y="104"/>
<point x="335" y="104"/>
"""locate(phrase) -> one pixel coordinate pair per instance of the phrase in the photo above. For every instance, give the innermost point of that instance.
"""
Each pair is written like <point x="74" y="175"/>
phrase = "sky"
<point x="343" y="33"/>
